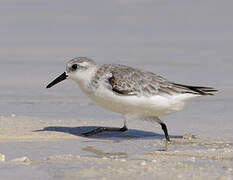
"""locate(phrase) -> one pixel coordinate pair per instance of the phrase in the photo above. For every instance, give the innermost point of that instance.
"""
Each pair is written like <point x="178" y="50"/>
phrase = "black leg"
<point x="102" y="129"/>
<point x="164" y="127"/>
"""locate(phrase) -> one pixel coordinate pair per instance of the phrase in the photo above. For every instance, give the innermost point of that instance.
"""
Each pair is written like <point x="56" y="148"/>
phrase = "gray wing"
<point x="130" y="81"/>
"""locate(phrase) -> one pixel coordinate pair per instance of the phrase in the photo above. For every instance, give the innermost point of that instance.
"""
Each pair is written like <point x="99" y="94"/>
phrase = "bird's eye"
<point x="74" y="66"/>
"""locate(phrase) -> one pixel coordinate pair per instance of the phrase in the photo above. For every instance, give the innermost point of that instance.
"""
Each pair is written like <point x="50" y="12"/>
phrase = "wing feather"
<point x="128" y="81"/>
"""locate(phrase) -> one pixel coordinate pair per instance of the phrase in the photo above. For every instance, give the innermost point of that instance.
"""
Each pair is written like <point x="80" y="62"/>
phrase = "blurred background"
<point x="123" y="30"/>
<point x="190" y="42"/>
<point x="186" y="41"/>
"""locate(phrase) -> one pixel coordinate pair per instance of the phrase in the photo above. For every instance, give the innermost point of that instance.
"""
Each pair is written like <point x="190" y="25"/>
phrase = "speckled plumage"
<point x="129" y="91"/>
<point x="126" y="80"/>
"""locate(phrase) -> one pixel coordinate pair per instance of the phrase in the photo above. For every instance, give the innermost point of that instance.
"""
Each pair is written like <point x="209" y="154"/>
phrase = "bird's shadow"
<point x="129" y="134"/>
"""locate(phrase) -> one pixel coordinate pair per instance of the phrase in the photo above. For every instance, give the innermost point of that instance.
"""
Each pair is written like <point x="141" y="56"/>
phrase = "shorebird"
<point x="129" y="91"/>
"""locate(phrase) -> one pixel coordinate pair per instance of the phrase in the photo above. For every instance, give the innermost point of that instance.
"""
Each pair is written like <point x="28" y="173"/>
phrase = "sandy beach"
<point x="41" y="129"/>
<point x="55" y="149"/>
<point x="41" y="135"/>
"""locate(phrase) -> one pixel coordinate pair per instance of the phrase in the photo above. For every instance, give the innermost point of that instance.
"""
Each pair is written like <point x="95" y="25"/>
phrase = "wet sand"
<point x="41" y="129"/>
<point x="56" y="149"/>
<point x="41" y="132"/>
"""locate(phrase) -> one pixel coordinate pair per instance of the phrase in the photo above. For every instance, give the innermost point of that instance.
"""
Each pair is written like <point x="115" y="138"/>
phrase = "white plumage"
<point x="130" y="91"/>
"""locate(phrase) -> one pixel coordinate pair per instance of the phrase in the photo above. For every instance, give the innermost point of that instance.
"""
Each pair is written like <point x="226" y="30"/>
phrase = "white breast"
<point x="138" y="105"/>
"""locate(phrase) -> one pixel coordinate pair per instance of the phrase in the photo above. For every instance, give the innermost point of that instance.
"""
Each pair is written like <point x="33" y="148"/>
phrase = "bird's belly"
<point x="138" y="105"/>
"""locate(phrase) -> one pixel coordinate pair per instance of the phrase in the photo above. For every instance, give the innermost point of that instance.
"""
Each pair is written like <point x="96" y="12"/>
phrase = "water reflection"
<point x="101" y="153"/>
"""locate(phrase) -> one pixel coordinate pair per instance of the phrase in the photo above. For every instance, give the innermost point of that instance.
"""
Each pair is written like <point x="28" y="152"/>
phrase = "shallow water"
<point x="189" y="43"/>
<point x="45" y="125"/>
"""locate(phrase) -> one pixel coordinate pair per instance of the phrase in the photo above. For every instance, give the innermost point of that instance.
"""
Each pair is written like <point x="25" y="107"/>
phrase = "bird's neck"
<point x="85" y="79"/>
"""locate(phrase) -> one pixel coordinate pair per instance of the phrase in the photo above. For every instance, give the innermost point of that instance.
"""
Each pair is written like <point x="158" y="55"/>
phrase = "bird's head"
<point x="79" y="69"/>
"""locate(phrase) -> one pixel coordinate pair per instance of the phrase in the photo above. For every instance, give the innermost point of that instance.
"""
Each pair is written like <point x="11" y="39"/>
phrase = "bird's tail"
<point x="197" y="89"/>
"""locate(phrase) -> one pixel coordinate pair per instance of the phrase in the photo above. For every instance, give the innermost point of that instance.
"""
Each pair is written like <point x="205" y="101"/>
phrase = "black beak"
<point x="60" y="78"/>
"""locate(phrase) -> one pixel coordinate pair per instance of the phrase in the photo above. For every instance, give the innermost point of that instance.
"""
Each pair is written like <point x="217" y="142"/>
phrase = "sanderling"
<point x="129" y="91"/>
